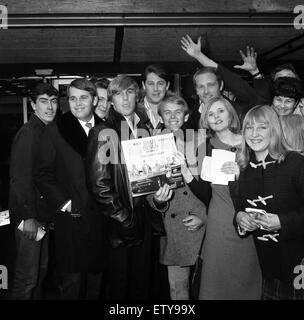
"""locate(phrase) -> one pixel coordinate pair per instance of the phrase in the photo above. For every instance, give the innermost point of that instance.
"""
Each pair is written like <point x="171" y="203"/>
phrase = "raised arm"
<point x="194" y="50"/>
<point x="233" y="82"/>
<point x="249" y="62"/>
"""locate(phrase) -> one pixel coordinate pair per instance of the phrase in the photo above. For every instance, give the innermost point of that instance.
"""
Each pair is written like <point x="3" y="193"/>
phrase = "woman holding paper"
<point x="230" y="264"/>
<point x="272" y="179"/>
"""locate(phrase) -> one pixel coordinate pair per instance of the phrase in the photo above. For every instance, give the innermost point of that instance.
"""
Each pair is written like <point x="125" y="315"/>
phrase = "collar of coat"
<point x="115" y="119"/>
<point x="36" y="120"/>
<point x="73" y="133"/>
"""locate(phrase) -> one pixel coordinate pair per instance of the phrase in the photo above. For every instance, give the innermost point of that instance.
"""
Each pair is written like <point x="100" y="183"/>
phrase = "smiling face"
<point x="81" y="103"/>
<point x="257" y="137"/>
<point x="283" y="106"/>
<point x="155" y="88"/>
<point x="207" y="86"/>
<point x="124" y="101"/>
<point x="173" y="116"/>
<point x="218" y="117"/>
<point x="45" y="107"/>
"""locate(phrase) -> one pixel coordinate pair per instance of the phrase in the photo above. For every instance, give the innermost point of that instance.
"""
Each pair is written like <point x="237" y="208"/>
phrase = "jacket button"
<point x="173" y="215"/>
<point x="185" y="192"/>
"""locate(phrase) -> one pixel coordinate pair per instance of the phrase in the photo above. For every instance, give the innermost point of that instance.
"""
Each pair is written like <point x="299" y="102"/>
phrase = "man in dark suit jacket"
<point x="61" y="178"/>
<point x="26" y="203"/>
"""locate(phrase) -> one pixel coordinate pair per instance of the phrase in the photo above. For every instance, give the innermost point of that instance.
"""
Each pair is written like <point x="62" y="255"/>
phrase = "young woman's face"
<point x="283" y="106"/>
<point x="218" y="117"/>
<point x="257" y="136"/>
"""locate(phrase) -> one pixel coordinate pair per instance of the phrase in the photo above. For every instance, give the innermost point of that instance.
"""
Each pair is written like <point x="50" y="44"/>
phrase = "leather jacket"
<point x="108" y="181"/>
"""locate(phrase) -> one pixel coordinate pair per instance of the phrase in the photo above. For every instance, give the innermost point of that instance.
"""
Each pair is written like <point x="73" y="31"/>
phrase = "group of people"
<point x="67" y="174"/>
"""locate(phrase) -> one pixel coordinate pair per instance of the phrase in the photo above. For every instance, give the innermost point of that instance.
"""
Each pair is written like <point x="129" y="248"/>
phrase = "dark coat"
<point x="25" y="201"/>
<point x="140" y="108"/>
<point x="285" y="182"/>
<point x="61" y="177"/>
<point x="109" y="183"/>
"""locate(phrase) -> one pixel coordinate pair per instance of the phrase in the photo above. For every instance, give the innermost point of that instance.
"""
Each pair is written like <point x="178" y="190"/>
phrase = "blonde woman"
<point x="272" y="180"/>
<point x="293" y="130"/>
<point x="230" y="263"/>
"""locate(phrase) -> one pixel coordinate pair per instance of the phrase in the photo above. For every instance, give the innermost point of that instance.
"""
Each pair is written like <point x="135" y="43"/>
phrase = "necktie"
<point x="89" y="125"/>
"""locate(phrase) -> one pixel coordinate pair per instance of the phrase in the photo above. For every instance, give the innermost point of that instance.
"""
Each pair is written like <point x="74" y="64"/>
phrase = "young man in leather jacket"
<point x="130" y="222"/>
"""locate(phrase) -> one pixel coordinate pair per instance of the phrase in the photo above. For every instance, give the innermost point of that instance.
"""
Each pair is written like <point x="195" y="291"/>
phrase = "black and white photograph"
<point x="152" y="153"/>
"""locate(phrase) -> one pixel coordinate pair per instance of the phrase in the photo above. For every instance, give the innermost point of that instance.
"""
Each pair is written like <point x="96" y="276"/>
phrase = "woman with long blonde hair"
<point x="230" y="263"/>
<point x="270" y="202"/>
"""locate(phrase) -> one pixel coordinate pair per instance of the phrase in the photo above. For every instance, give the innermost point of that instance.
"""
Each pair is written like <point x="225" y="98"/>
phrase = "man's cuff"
<point x="160" y="206"/>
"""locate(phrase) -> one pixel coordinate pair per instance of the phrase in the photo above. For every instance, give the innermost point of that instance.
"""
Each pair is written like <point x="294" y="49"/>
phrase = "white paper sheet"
<point x="4" y="218"/>
<point x="211" y="168"/>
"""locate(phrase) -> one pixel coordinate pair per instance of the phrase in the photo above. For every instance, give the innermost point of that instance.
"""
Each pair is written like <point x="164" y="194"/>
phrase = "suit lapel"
<point x="73" y="133"/>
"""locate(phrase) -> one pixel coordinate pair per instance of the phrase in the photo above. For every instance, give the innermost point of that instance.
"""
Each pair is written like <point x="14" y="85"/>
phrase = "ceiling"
<point x="107" y="37"/>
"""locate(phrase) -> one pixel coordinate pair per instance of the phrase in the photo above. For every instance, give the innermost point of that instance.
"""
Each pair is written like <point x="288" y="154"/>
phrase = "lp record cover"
<point x="152" y="162"/>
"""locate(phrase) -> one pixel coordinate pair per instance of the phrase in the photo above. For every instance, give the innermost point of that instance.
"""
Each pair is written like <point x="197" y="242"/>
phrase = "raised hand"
<point x="163" y="194"/>
<point x="249" y="61"/>
<point x="193" y="49"/>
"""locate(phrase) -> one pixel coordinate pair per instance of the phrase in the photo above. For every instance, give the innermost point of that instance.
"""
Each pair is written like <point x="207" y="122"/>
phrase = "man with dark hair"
<point x="102" y="107"/>
<point x="284" y="70"/>
<point x="26" y="203"/>
<point x="155" y="82"/>
<point x="61" y="177"/>
<point x="129" y="222"/>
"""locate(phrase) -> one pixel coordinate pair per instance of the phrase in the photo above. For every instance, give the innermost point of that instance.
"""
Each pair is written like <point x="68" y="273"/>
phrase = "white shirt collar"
<point x="133" y="124"/>
<point x="150" y="114"/>
<point x="83" y="124"/>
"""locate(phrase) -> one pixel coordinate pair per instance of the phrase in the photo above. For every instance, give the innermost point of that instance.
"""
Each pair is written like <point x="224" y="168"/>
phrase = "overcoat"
<point x="281" y="185"/>
<point x="61" y="177"/>
<point x="25" y="200"/>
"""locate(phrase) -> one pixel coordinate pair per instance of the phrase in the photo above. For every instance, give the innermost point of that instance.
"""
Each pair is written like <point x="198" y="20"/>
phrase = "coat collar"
<point x="115" y="120"/>
<point x="254" y="163"/>
<point x="73" y="133"/>
<point x="34" y="119"/>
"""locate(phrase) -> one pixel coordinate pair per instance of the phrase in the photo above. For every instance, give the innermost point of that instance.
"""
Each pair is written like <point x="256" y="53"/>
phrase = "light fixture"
<point x="43" y="72"/>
